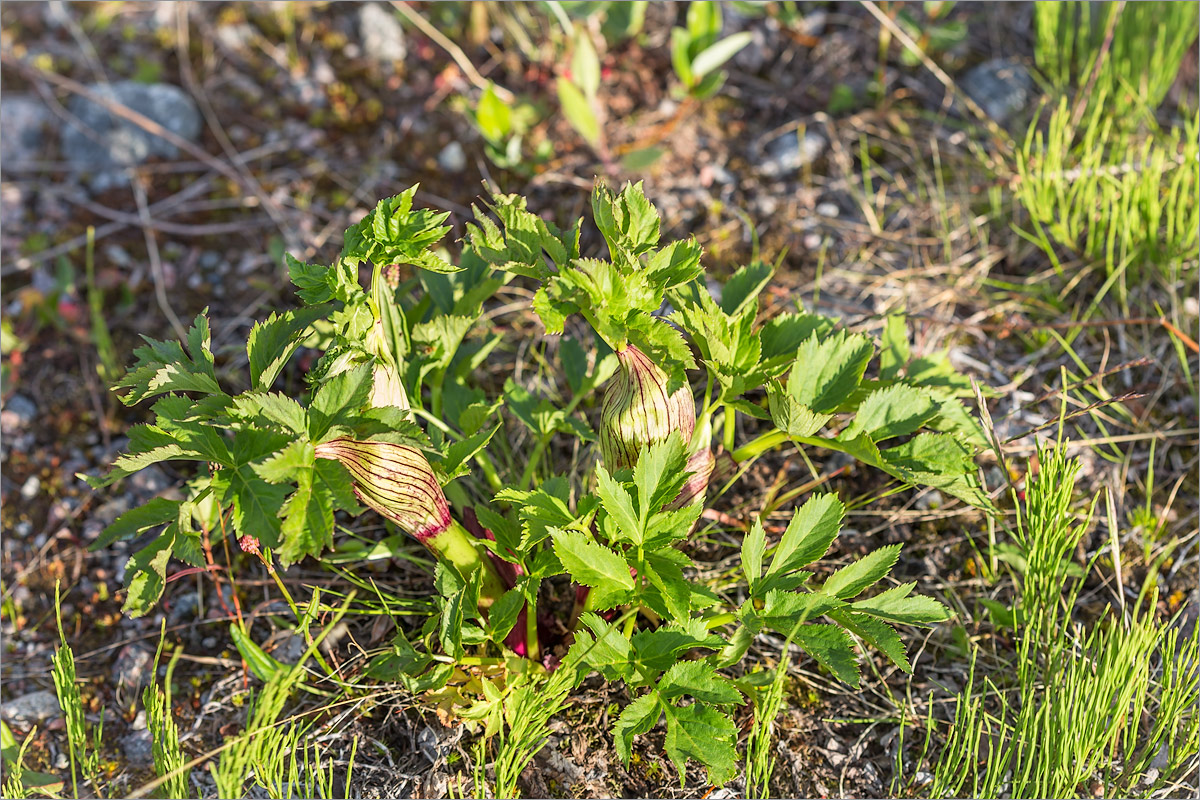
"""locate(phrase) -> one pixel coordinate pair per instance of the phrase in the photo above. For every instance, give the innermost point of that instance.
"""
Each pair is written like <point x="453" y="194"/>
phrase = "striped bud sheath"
<point x="638" y="412"/>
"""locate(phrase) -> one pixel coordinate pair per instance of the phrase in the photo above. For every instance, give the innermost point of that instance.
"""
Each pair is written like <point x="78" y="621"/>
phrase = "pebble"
<point x="235" y="38"/>
<point x="828" y="210"/>
<point x="133" y="667"/>
<point x="149" y="481"/>
<point x="105" y="143"/>
<point x="31" y="487"/>
<point x="1002" y="87"/>
<point x="18" y="413"/>
<point x="290" y="648"/>
<point x="31" y="709"/>
<point x="452" y="158"/>
<point x="138" y="748"/>
<point x="930" y="500"/>
<point x="23" y="119"/>
<point x="787" y="153"/>
<point x="381" y="34"/>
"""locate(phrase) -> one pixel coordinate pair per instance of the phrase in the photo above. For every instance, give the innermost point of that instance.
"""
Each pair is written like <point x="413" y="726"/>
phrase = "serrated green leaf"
<point x="783" y="335"/>
<point x="343" y="393"/>
<point x="700" y="680"/>
<point x="604" y="649"/>
<point x="273" y="341"/>
<point x="783" y="611"/>
<point x="832" y="648"/>
<point x="827" y="371"/>
<point x="811" y="530"/>
<point x="659" y="474"/>
<point x="792" y="417"/>
<point x="878" y="634"/>
<point x="256" y="507"/>
<point x="753" y="546"/>
<point x="461" y="602"/>
<point x="892" y="411"/>
<point x="666" y="576"/>
<point x="744" y="286"/>
<point x="593" y="565"/>
<point x="503" y="614"/>
<point x="146" y="575"/>
<point x="852" y="579"/>
<point x="704" y="734"/>
<point x="158" y="511"/>
<point x="311" y="280"/>
<point x="896" y="605"/>
<point x="285" y="464"/>
<point x="162" y="367"/>
<point x="636" y="718"/>
<point x="619" y="505"/>
<point x="676" y="263"/>
<point x="307" y="527"/>
<point x="458" y="454"/>
<point x="659" y="648"/>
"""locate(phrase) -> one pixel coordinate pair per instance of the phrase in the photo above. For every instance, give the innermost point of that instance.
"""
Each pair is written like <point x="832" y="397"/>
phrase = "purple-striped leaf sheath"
<point x="638" y="412"/>
<point x="699" y="467"/>
<point x="396" y="481"/>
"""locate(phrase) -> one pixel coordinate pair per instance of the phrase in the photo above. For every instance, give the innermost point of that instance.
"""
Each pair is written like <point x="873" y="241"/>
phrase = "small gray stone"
<point x="149" y="481"/>
<point x="235" y="38"/>
<point x="452" y="158"/>
<point x="23" y="120"/>
<point x="31" y="487"/>
<point x="789" y="152"/>
<point x="133" y="667"/>
<point x="103" y="143"/>
<point x="382" y="36"/>
<point x="31" y="709"/>
<point x="1001" y="87"/>
<point x="930" y="500"/>
<point x="828" y="210"/>
<point x="18" y="412"/>
<point x="138" y="748"/>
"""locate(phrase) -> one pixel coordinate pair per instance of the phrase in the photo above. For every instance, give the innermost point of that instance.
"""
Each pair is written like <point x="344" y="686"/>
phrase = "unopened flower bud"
<point x="395" y="480"/>
<point x="638" y="411"/>
<point x="699" y="467"/>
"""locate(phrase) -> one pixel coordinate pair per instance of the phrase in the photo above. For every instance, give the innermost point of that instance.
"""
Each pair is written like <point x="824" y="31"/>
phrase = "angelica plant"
<point x="395" y="419"/>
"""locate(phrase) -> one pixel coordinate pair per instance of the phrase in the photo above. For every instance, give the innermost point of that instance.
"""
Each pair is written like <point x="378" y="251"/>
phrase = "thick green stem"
<point x="757" y="447"/>
<point x="466" y="553"/>
<point x="532" y="649"/>
<point x="730" y="427"/>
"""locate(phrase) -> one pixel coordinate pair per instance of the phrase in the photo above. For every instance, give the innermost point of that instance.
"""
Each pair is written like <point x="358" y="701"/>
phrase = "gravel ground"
<point x="288" y="122"/>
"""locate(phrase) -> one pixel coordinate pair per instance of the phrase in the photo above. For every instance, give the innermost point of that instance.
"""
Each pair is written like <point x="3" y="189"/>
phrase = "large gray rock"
<point x="1002" y="87"/>
<point x="31" y="709"/>
<point x="104" y="143"/>
<point x="23" y="122"/>
<point x="382" y="36"/>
